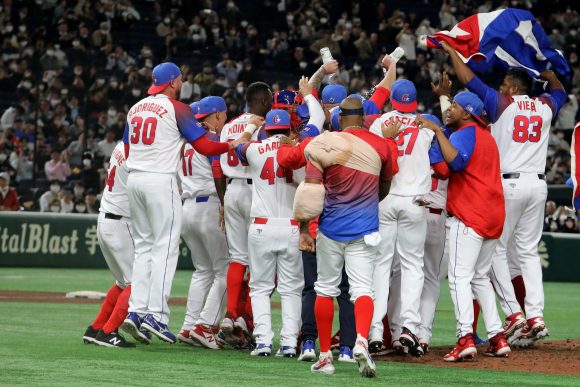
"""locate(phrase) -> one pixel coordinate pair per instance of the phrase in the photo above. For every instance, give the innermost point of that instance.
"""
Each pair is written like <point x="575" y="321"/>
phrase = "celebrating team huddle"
<point x="319" y="198"/>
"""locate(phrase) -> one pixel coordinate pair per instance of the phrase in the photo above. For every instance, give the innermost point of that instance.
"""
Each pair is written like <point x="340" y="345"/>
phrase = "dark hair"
<point x="522" y="78"/>
<point x="256" y="91"/>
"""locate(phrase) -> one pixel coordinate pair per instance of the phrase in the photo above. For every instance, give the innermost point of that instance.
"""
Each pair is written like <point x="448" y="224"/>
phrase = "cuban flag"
<point x="575" y="178"/>
<point x="509" y="38"/>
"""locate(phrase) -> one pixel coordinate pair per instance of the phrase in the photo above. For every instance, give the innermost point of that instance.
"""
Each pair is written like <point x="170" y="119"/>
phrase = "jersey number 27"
<point x="400" y="141"/>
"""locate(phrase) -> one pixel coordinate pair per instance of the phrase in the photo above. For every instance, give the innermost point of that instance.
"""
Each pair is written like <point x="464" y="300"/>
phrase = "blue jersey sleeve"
<point x="188" y="126"/>
<point x="309" y="130"/>
<point x="556" y="100"/>
<point x="242" y="150"/>
<point x="435" y="154"/>
<point x="464" y="142"/>
<point x="493" y="101"/>
<point x="126" y="134"/>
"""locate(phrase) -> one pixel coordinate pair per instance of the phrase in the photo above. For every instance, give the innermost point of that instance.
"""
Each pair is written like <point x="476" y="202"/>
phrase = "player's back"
<point x="273" y="187"/>
<point x="114" y="199"/>
<point x="230" y="163"/>
<point x="154" y="137"/>
<point x="414" y="176"/>
<point x="521" y="133"/>
<point x="195" y="172"/>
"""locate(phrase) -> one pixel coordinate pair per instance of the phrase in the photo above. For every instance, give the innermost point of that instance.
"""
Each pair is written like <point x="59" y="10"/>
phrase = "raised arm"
<point x="324" y="70"/>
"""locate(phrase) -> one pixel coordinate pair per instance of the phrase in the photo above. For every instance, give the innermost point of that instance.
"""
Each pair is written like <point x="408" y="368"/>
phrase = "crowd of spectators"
<point x="70" y="70"/>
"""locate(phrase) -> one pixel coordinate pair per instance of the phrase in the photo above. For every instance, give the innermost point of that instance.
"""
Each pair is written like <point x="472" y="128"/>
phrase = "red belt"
<point x="437" y="211"/>
<point x="265" y="220"/>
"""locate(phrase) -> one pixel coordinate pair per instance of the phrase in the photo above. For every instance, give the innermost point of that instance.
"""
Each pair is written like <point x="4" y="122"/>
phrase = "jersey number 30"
<point x="268" y="172"/>
<point x="143" y="129"/>
<point x="522" y="126"/>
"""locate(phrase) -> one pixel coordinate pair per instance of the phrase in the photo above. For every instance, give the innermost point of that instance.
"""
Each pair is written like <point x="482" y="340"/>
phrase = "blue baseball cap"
<point x="471" y="104"/>
<point x="303" y="113"/>
<point x="334" y="121"/>
<point x="433" y="118"/>
<point x="284" y="99"/>
<point x="277" y="119"/>
<point x="163" y="74"/>
<point x="333" y="94"/>
<point x="404" y="96"/>
<point x="194" y="106"/>
<point x="210" y="105"/>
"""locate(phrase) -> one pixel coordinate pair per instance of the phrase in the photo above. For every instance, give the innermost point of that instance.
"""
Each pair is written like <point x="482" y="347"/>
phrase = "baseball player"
<point x="154" y="135"/>
<point x="520" y="126"/>
<point x="273" y="239"/>
<point x="403" y="222"/>
<point x="202" y="234"/>
<point x="237" y="202"/>
<point x="476" y="214"/>
<point x="115" y="235"/>
<point x="346" y="175"/>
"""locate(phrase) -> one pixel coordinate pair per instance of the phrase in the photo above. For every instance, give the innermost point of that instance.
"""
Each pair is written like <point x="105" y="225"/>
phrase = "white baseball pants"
<point x="525" y="199"/>
<point x="116" y="242"/>
<point x="436" y="261"/>
<point x="274" y="253"/>
<point x="469" y="267"/>
<point x="156" y="214"/>
<point x="237" y="205"/>
<point x="403" y="226"/>
<point x="209" y="253"/>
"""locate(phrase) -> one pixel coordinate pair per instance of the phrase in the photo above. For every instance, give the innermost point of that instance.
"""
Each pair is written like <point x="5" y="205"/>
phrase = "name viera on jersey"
<point x="149" y="107"/>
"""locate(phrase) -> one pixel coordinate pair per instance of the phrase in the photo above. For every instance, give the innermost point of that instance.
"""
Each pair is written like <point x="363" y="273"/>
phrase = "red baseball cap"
<point x="162" y="75"/>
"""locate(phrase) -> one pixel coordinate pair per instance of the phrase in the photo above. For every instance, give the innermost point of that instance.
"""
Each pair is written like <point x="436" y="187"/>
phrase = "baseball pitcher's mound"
<point x="548" y="357"/>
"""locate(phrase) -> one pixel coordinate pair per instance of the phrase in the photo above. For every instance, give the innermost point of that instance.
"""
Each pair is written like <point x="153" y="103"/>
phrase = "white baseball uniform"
<point x="205" y="240"/>
<point x="155" y="131"/>
<point x="436" y="258"/>
<point x="114" y="230"/>
<point x="238" y="196"/>
<point x="520" y="128"/>
<point x="273" y="242"/>
<point x="403" y="224"/>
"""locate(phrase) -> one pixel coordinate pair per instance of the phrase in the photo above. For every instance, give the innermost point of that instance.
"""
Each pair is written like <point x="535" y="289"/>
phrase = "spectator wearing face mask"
<point x="57" y="168"/>
<point x="67" y="203"/>
<point x="91" y="202"/>
<point x="89" y="174"/>
<point x="54" y="206"/>
<point x="8" y="196"/>
<point x="80" y="207"/>
<point x="49" y="196"/>
<point x="569" y="225"/>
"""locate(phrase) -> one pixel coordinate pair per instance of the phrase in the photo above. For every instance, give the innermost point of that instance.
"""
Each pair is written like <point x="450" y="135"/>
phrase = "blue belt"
<point x="201" y="199"/>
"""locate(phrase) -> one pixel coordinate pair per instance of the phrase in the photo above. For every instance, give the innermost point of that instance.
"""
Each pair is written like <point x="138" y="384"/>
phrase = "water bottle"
<point x="326" y="57"/>
<point x="396" y="55"/>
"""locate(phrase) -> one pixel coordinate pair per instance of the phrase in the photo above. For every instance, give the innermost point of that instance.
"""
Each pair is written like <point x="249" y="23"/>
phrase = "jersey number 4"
<point x="522" y="126"/>
<point x="110" y="179"/>
<point x="400" y="141"/>
<point x="268" y="172"/>
<point x="143" y="129"/>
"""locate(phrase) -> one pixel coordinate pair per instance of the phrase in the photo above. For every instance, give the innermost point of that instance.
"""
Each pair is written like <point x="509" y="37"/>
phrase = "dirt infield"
<point x="550" y="357"/>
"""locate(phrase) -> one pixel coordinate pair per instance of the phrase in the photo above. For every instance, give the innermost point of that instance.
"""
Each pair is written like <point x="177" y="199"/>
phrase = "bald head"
<point x="351" y="113"/>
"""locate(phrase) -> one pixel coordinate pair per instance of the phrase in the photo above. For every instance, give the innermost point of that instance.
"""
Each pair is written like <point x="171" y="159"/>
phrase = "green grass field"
<point x="40" y="344"/>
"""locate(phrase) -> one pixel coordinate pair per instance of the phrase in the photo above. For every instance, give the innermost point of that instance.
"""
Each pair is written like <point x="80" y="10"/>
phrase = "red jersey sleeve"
<point x="216" y="169"/>
<point x="292" y="157"/>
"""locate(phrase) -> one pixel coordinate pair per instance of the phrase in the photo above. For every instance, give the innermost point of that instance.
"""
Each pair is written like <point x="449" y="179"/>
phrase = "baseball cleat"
<point x="90" y="335"/>
<point x="204" y="336"/>
<point x="112" y="340"/>
<point x="324" y="364"/>
<point x="241" y="325"/>
<point x="377" y="348"/>
<point x="478" y="340"/>
<point x="498" y="346"/>
<point x="345" y="355"/>
<point x="399" y="348"/>
<point x="227" y="325"/>
<point x="308" y="352"/>
<point x="262" y="350"/>
<point x="411" y="342"/>
<point x="534" y="330"/>
<point x="132" y="326"/>
<point x="512" y="324"/>
<point x="366" y="365"/>
<point x="464" y="349"/>
<point x="185" y="338"/>
<point x="335" y="341"/>
<point x="158" y="329"/>
<point x="286" y="351"/>
<point x="425" y="347"/>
